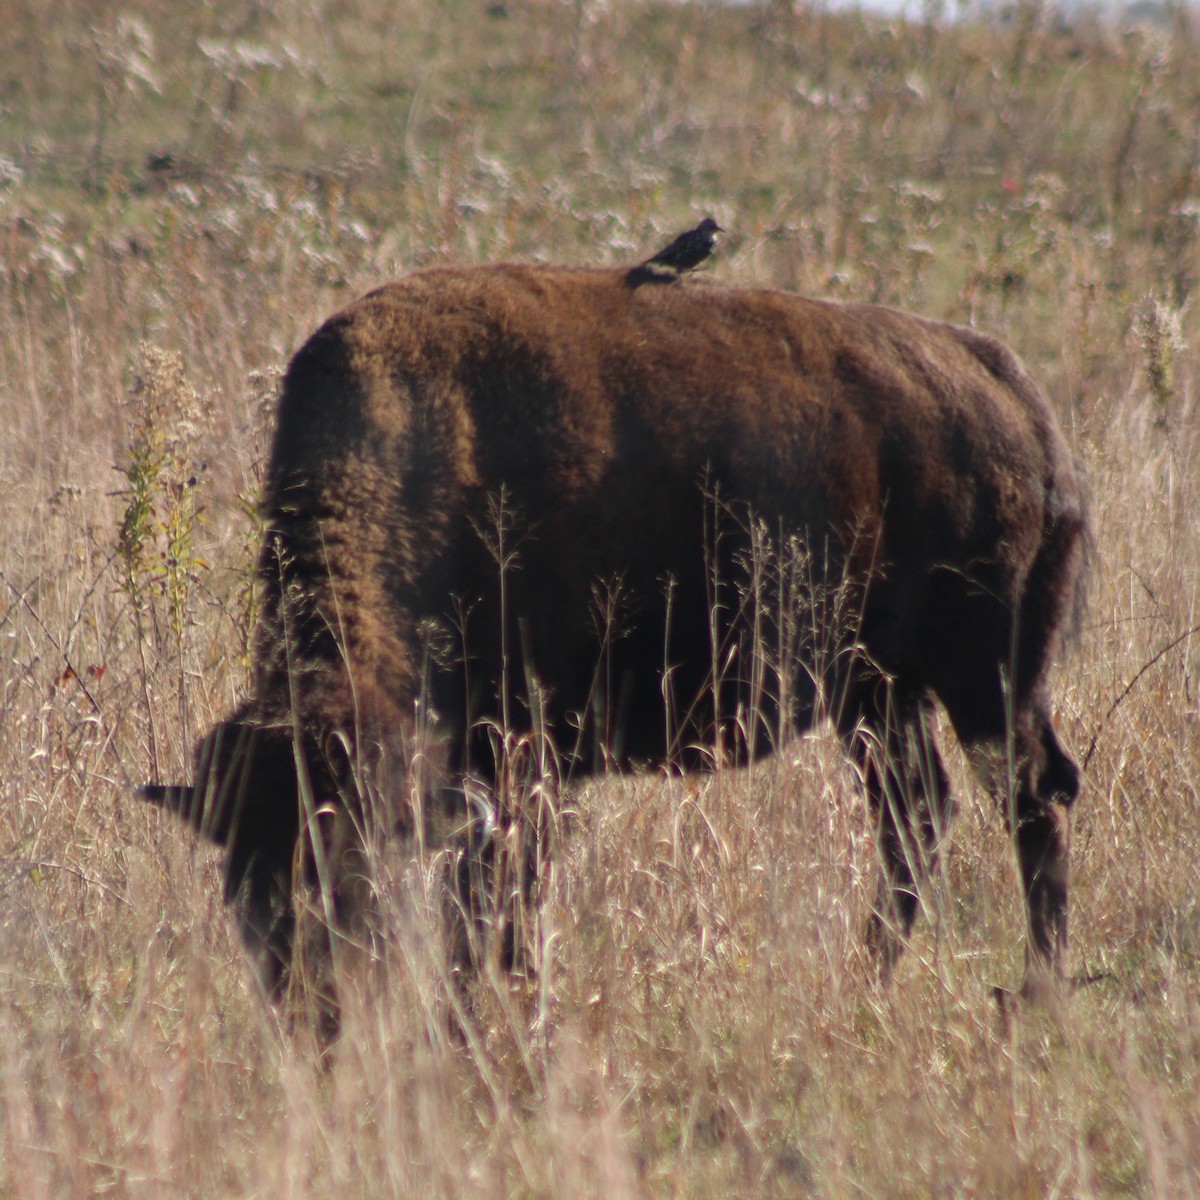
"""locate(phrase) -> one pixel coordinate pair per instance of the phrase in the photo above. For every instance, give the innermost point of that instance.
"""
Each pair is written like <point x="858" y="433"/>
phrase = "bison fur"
<point x="472" y="465"/>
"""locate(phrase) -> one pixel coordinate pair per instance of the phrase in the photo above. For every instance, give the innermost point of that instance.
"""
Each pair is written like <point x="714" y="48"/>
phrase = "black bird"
<point x="689" y="249"/>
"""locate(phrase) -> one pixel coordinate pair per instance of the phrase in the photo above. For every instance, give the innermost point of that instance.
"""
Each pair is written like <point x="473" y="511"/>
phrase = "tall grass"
<point x="210" y="183"/>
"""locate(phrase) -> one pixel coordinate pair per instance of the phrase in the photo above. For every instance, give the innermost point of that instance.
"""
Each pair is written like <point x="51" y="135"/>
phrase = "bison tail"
<point x="1070" y="546"/>
<point x="1056" y="589"/>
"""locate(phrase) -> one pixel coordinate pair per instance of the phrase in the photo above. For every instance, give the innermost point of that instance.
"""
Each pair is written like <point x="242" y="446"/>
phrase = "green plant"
<point x="156" y="537"/>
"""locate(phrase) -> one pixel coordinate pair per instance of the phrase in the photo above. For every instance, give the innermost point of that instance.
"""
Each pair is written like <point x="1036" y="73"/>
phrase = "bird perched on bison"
<point x="788" y="509"/>
<point x="688" y="250"/>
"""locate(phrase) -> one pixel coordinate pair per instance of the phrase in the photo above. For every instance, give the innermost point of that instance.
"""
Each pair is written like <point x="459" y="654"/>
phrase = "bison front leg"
<point x="266" y="917"/>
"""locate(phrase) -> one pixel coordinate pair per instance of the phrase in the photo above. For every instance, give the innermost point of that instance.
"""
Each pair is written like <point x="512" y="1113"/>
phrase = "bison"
<point x="652" y="524"/>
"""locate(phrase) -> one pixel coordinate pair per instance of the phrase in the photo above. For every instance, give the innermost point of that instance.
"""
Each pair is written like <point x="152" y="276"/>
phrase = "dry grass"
<point x="704" y="1024"/>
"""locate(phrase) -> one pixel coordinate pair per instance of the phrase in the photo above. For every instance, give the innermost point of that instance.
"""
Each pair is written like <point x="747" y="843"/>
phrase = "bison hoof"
<point x="1041" y="990"/>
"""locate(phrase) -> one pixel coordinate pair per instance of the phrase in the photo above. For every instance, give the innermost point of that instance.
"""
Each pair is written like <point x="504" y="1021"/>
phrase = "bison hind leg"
<point x="1035" y="783"/>
<point x="889" y="736"/>
<point x="997" y="699"/>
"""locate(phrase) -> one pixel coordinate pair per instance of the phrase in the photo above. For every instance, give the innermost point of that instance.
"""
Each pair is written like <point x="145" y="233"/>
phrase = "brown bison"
<point x="652" y="524"/>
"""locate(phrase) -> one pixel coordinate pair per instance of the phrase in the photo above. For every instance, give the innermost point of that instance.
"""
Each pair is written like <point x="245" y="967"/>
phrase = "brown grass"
<point x="704" y="1023"/>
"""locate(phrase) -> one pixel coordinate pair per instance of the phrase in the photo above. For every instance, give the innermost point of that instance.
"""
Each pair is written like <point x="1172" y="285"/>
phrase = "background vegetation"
<point x="185" y="191"/>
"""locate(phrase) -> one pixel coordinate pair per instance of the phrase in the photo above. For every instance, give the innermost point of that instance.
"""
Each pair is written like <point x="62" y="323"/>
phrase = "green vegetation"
<point x="185" y="191"/>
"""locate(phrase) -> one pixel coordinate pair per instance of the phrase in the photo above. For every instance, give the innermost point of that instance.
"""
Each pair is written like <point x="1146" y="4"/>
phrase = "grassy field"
<point x="184" y="194"/>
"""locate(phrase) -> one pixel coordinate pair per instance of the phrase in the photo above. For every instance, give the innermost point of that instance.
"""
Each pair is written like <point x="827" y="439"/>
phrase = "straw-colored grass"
<point x="184" y="194"/>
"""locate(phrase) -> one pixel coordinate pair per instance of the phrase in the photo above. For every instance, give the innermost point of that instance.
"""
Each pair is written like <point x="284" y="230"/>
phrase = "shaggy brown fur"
<point x="652" y="451"/>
